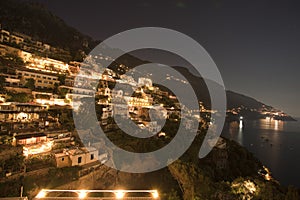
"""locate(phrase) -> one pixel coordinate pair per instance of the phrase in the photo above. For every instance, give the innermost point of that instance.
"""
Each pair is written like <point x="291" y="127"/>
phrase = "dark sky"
<point x="255" y="44"/>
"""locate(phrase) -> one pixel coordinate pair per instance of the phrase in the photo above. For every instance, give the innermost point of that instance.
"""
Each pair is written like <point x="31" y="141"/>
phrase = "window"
<point x="92" y="156"/>
<point x="79" y="160"/>
<point x="62" y="159"/>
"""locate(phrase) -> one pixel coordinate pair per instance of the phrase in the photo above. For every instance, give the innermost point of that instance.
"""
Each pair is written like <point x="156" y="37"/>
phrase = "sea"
<point x="275" y="143"/>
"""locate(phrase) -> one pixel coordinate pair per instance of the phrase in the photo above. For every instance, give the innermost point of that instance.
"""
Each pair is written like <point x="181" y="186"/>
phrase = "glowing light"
<point x="41" y="194"/>
<point x="162" y="134"/>
<point x="276" y="125"/>
<point x="37" y="149"/>
<point x="119" y="194"/>
<point x="155" y="194"/>
<point x="241" y="124"/>
<point x="267" y="176"/>
<point x="250" y="186"/>
<point x="82" y="194"/>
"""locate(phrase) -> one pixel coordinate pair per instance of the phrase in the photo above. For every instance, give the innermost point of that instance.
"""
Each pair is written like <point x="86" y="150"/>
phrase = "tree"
<point x="5" y="139"/>
<point x="2" y="83"/>
<point x="15" y="59"/>
<point x="62" y="79"/>
<point x="55" y="89"/>
<point x="62" y="92"/>
<point x="173" y="195"/>
<point x="14" y="163"/>
<point x="30" y="84"/>
<point x="85" y="112"/>
<point x="292" y="193"/>
<point x="66" y="119"/>
<point x="20" y="97"/>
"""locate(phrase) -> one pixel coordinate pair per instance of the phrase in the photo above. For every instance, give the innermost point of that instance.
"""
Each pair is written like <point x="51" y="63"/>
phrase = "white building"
<point x="42" y="80"/>
<point x="145" y="82"/>
<point x="16" y="39"/>
<point x="21" y="112"/>
<point x="76" y="157"/>
<point x="117" y="93"/>
<point x="107" y="112"/>
<point x="104" y="91"/>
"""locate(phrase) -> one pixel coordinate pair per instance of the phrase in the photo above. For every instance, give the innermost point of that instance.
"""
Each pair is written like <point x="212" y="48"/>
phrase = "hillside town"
<point x="39" y="94"/>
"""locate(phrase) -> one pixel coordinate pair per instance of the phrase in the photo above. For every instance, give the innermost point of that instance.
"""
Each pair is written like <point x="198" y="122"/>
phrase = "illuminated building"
<point x="76" y="157"/>
<point x="145" y="82"/>
<point x="42" y="80"/>
<point x="44" y="147"/>
<point x="21" y="112"/>
<point x="28" y="139"/>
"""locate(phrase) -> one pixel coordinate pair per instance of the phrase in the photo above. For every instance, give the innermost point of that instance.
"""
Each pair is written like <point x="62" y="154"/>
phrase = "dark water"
<point x="275" y="143"/>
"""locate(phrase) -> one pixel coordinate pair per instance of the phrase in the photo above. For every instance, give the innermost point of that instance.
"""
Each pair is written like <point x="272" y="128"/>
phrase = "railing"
<point x="95" y="198"/>
<point x="45" y="194"/>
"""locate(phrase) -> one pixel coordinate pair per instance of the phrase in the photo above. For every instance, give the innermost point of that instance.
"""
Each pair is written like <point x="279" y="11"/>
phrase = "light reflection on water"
<point x="274" y="142"/>
<point x="272" y="124"/>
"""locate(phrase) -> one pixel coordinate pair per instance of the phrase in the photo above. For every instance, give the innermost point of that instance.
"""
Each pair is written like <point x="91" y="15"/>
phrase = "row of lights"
<point x="119" y="194"/>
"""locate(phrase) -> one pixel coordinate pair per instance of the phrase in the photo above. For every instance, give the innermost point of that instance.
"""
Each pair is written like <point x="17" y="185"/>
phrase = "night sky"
<point x="255" y="44"/>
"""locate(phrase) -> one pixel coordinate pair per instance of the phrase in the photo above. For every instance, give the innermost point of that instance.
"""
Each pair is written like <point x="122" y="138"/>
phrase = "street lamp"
<point x="41" y="194"/>
<point x="82" y="194"/>
<point x="120" y="194"/>
<point x="155" y="194"/>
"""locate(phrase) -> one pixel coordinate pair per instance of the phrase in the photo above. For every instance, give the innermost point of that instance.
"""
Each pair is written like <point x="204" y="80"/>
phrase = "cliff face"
<point x="216" y="176"/>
